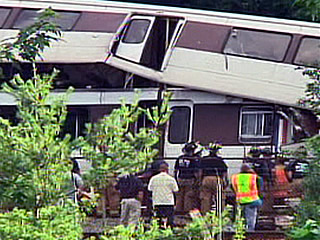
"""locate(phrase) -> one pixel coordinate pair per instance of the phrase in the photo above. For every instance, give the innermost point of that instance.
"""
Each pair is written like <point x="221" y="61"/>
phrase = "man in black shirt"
<point x="131" y="194"/>
<point x="268" y="165"/>
<point x="213" y="171"/>
<point x="185" y="170"/>
<point x="259" y="163"/>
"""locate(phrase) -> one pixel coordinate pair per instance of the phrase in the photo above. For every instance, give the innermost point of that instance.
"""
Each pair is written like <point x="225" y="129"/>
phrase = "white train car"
<point x="234" y="77"/>
<point x="224" y="53"/>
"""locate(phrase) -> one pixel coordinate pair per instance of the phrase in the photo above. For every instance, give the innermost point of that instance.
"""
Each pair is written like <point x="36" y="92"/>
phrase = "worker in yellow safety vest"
<point x="247" y="186"/>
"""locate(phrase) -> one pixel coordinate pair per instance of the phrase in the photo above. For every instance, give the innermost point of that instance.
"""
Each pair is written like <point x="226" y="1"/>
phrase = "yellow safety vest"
<point x="245" y="186"/>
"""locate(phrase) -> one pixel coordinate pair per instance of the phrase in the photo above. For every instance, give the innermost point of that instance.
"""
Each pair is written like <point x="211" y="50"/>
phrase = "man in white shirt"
<point x="163" y="187"/>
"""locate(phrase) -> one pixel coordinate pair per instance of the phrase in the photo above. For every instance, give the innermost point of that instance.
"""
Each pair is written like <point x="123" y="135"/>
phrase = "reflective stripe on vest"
<point x="245" y="185"/>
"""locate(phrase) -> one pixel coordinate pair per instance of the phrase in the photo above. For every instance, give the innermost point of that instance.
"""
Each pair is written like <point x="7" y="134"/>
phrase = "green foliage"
<point x="52" y="222"/>
<point x="309" y="8"/>
<point x="312" y="180"/>
<point x="308" y="216"/>
<point x="206" y="227"/>
<point x="314" y="145"/>
<point x="311" y="199"/>
<point x="139" y="232"/>
<point x="201" y="227"/>
<point x="307" y="224"/>
<point x="37" y="157"/>
<point x="309" y="231"/>
<point x="31" y="41"/>
<point x="115" y="148"/>
<point x="34" y="166"/>
<point x="88" y="206"/>
<point x="312" y="93"/>
<point x="289" y="9"/>
<point x="240" y="226"/>
<point x="310" y="205"/>
<point x="307" y="210"/>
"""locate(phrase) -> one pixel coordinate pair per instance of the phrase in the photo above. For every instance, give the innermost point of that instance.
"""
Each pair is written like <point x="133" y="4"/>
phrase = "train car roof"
<point x="98" y="52"/>
<point x="95" y="5"/>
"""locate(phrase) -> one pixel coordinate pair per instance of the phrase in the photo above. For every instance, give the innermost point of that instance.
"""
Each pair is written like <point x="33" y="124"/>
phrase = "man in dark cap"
<point x="213" y="172"/>
<point x="269" y="163"/>
<point x="258" y="163"/>
<point x="185" y="172"/>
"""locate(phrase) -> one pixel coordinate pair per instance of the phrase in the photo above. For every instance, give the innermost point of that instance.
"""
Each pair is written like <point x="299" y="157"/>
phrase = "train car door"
<point x="134" y="38"/>
<point x="178" y="131"/>
<point x="142" y="45"/>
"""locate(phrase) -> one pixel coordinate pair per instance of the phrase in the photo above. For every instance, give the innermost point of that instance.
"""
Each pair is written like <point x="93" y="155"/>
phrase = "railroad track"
<point x="258" y="235"/>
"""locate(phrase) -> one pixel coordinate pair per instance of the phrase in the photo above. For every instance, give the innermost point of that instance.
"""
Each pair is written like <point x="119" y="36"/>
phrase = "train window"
<point x="136" y="31"/>
<point x="9" y="113"/>
<point x="4" y="13"/>
<point x="75" y="122"/>
<point x="65" y="20"/>
<point x="309" y="52"/>
<point x="256" y="125"/>
<point x="143" y="120"/>
<point x="179" y="125"/>
<point x="256" y="44"/>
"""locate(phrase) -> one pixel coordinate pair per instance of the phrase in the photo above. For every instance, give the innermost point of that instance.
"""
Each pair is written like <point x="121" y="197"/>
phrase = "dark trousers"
<point x="165" y="211"/>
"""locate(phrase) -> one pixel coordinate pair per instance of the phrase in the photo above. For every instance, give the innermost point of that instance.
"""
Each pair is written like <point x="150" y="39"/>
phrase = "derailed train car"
<point x="235" y="78"/>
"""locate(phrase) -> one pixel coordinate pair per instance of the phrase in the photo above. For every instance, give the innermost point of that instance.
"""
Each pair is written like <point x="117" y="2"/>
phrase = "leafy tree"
<point x="310" y="206"/>
<point x="308" y="217"/>
<point x="115" y="148"/>
<point x="55" y="222"/>
<point x="291" y="9"/>
<point x="309" y="9"/>
<point x="312" y="92"/>
<point x="34" y="162"/>
<point x="201" y="227"/>
<point x="31" y="41"/>
<point x="35" y="158"/>
<point x="34" y="144"/>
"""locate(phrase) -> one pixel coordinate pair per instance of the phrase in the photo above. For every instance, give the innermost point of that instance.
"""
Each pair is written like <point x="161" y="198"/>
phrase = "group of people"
<point x="194" y="185"/>
<point x="281" y="174"/>
<point x="204" y="180"/>
<point x="199" y="181"/>
<point x="200" y="178"/>
<point x="162" y="186"/>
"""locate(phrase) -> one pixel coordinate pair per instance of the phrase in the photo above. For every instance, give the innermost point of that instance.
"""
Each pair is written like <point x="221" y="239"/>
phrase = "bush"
<point x="201" y="227"/>
<point x="53" y="222"/>
<point x="139" y="232"/>
<point x="309" y="231"/>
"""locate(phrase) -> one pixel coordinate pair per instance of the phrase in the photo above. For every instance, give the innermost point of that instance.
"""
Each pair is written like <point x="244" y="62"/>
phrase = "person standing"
<point x="248" y="185"/>
<point x="78" y="188"/>
<point x="281" y="186"/>
<point x="185" y="172"/>
<point x="131" y="194"/>
<point x="214" y="173"/>
<point x="258" y="163"/>
<point x="269" y="164"/>
<point x="297" y="169"/>
<point x="163" y="186"/>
